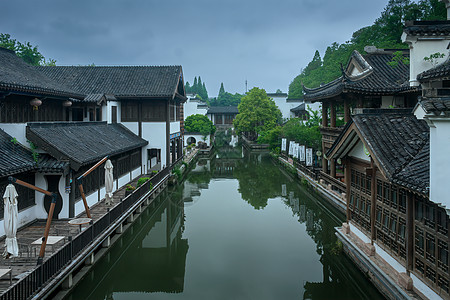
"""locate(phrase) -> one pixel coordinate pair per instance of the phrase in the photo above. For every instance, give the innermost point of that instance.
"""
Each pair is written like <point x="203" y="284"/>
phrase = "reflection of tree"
<point x="258" y="179"/>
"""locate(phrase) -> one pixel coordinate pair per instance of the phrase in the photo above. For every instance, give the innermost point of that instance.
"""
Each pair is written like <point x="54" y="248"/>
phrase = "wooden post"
<point x="409" y="231"/>
<point x="47" y="228"/>
<point x="333" y="168"/>
<point x="346" y="111"/>
<point x="332" y="114"/>
<point x="86" y="206"/>
<point x="324" y="114"/>
<point x="373" y="201"/>
<point x="347" y="164"/>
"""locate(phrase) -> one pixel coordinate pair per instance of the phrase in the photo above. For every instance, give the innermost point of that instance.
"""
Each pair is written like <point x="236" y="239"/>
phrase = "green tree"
<point x="199" y="123"/>
<point x="221" y="90"/>
<point x="187" y="87"/>
<point x="30" y="54"/>
<point x="257" y="113"/>
<point x="385" y="32"/>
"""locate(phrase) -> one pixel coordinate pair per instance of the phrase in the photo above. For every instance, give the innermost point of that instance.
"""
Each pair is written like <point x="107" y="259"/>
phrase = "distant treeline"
<point x="384" y="33"/>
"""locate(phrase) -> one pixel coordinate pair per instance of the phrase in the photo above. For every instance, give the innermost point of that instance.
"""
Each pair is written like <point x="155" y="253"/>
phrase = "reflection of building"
<point x="151" y="259"/>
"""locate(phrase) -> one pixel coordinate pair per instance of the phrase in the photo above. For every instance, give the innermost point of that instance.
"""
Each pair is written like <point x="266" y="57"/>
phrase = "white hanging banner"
<point x="295" y="150"/>
<point x="291" y="145"/>
<point x="283" y="144"/>
<point x="309" y="157"/>
<point x="302" y="153"/>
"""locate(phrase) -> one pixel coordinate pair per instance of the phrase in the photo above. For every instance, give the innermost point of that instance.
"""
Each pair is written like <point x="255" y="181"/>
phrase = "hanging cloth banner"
<point x="291" y="147"/>
<point x="283" y="144"/>
<point x="295" y="150"/>
<point x="309" y="157"/>
<point x="302" y="152"/>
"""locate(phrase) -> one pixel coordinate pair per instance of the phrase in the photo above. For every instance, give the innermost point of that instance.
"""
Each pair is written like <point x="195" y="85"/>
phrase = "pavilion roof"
<point x="377" y="77"/>
<point x="397" y="142"/>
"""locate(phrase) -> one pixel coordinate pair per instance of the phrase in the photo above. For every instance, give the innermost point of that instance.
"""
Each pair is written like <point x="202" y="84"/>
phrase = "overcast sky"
<point x="265" y="42"/>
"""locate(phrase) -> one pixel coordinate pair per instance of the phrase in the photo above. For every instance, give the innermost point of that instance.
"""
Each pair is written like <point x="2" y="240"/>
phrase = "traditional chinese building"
<point x="148" y="100"/>
<point x="222" y="116"/>
<point x="368" y="81"/>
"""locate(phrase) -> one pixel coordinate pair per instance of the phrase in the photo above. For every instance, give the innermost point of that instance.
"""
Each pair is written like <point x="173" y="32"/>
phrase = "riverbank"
<point x="77" y="248"/>
<point x="391" y="281"/>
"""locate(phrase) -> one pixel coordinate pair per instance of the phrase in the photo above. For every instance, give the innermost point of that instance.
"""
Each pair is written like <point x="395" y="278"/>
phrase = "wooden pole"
<point x="80" y="186"/>
<point x="50" y="213"/>
<point x="86" y="206"/>
<point x="93" y="168"/>
<point x="47" y="229"/>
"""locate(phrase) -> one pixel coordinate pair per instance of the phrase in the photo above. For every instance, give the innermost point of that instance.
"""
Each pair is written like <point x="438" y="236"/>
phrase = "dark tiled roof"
<point x="120" y="81"/>
<point x="435" y="105"/>
<point x="378" y="78"/>
<point x="395" y="139"/>
<point x="427" y="28"/>
<point x="399" y="143"/>
<point x="48" y="164"/>
<point x="223" y="110"/>
<point x="18" y="76"/>
<point x="14" y="158"/>
<point x="301" y="107"/>
<point x="416" y="174"/>
<point x="442" y="70"/>
<point x="82" y="143"/>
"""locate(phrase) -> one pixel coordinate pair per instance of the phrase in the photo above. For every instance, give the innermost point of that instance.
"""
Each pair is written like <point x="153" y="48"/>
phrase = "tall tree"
<point x="257" y="113"/>
<point x="221" y="90"/>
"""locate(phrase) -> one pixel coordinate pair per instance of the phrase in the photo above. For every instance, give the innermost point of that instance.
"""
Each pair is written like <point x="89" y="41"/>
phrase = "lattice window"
<point x="443" y="255"/>
<point x="443" y="283"/>
<point x="419" y="266"/>
<point x="419" y="241"/>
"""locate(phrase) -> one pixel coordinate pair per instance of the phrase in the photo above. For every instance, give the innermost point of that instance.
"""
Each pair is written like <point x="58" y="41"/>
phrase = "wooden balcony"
<point x="329" y="135"/>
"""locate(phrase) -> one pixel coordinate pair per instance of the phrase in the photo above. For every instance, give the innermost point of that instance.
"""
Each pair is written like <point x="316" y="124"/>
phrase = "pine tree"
<point x="187" y="87"/>
<point x="221" y="90"/>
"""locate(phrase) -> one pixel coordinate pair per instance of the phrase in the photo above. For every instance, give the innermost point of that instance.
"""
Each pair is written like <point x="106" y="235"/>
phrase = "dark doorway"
<point x="53" y="184"/>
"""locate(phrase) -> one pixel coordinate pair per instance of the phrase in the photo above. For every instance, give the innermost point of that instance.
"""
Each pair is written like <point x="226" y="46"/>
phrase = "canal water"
<point x="239" y="227"/>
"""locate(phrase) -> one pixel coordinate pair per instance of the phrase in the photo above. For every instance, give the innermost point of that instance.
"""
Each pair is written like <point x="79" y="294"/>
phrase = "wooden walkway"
<point x="27" y="260"/>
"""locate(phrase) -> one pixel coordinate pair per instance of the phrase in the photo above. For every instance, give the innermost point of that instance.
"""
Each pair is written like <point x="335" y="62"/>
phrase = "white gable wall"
<point x="358" y="152"/>
<point x="421" y="47"/>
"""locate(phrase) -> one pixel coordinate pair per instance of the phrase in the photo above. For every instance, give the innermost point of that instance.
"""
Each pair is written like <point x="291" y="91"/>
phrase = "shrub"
<point x="142" y="180"/>
<point x="129" y="187"/>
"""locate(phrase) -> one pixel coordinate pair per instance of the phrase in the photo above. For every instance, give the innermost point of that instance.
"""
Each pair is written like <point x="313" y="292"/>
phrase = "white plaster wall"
<point x="174" y="127"/>
<point x="358" y="152"/>
<point x="132" y="126"/>
<point x="191" y="108"/>
<point x="25" y="216"/>
<point x="16" y="130"/>
<point x="39" y="181"/>
<point x="198" y="138"/>
<point x="108" y="111"/>
<point x="155" y="134"/>
<point x="419" y="112"/>
<point x="439" y="161"/>
<point x="93" y="197"/>
<point x="285" y="107"/>
<point x="420" y="48"/>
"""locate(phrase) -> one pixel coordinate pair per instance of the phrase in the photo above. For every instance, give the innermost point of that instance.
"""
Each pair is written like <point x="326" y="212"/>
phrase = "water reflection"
<point x="155" y="249"/>
<point x="253" y="233"/>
